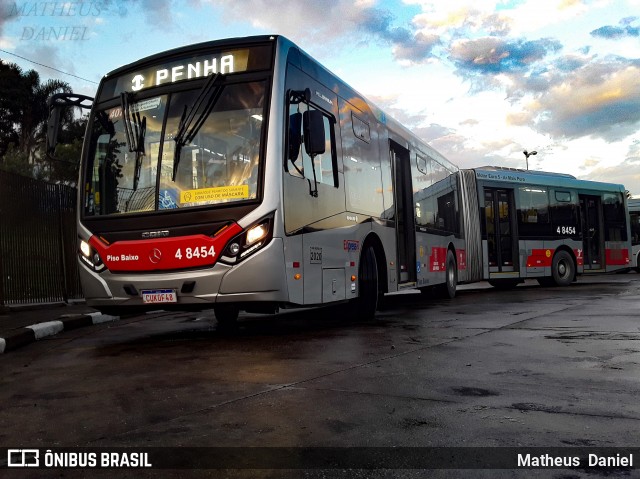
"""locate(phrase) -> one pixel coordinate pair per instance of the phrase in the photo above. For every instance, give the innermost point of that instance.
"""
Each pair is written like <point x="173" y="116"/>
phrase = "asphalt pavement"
<point x="22" y="325"/>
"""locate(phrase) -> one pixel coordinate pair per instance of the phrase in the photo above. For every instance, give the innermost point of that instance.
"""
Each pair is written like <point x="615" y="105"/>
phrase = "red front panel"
<point x="165" y="253"/>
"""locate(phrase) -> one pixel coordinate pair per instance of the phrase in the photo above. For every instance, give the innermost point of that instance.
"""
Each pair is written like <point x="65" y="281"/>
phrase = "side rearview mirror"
<point x="53" y="126"/>
<point x="314" y="135"/>
<point x="56" y="105"/>
<point x="295" y="136"/>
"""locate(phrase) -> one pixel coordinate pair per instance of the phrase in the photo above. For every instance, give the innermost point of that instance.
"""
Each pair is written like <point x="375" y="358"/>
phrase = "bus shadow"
<point x="395" y="311"/>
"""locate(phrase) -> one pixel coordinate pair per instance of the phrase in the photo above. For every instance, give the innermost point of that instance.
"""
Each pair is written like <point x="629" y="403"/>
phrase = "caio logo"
<point x="23" y="458"/>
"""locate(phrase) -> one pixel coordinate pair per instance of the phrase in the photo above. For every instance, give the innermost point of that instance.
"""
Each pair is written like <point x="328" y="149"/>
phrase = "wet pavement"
<point x="532" y="367"/>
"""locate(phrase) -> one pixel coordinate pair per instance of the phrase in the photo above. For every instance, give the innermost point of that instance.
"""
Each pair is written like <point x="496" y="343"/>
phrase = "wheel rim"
<point x="562" y="269"/>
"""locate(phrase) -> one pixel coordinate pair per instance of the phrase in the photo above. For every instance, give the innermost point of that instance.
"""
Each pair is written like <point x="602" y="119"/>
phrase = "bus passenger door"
<point x="591" y="221"/>
<point x="498" y="210"/>
<point x="404" y="219"/>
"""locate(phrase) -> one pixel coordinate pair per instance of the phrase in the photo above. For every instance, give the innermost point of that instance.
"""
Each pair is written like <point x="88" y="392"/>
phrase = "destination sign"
<point x="189" y="67"/>
<point x="500" y="176"/>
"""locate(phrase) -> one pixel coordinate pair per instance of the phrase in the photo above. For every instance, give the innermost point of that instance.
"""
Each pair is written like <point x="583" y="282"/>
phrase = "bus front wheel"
<point x="563" y="269"/>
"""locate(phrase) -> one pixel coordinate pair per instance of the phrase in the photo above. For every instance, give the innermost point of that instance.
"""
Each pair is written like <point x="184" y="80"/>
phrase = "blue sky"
<point x="480" y="80"/>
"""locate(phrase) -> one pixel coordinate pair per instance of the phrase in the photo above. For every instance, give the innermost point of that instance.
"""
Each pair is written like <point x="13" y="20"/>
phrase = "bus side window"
<point x="564" y="209"/>
<point x="533" y="211"/>
<point x="299" y="163"/>
<point x="614" y="217"/>
<point x="635" y="228"/>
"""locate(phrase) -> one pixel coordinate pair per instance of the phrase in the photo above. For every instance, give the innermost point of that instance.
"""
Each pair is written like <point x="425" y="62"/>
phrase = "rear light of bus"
<point x="90" y="257"/>
<point x="249" y="241"/>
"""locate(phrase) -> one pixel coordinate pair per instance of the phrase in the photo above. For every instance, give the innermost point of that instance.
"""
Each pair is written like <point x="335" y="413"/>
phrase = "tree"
<point x="23" y="118"/>
<point x="32" y="126"/>
<point x="10" y="94"/>
<point x="64" y="168"/>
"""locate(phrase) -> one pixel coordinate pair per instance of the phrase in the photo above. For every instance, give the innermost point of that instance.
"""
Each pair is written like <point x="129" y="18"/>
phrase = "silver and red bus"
<point x="546" y="226"/>
<point x="241" y="174"/>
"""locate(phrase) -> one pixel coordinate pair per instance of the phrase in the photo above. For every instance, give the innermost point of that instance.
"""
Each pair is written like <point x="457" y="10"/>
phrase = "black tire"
<point x="226" y="315"/>
<point x="367" y="301"/>
<point x="563" y="269"/>
<point x="448" y="289"/>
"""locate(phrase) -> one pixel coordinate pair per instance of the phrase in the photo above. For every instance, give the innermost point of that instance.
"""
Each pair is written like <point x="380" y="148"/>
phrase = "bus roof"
<point x="158" y="57"/>
<point x="516" y="175"/>
<point x="285" y="45"/>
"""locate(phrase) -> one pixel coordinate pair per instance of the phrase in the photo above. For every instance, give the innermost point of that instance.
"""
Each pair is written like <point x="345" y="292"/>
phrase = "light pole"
<point x="527" y="155"/>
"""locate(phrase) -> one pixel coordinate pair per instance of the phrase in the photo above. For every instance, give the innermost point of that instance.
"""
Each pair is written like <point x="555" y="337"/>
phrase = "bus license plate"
<point x="152" y="296"/>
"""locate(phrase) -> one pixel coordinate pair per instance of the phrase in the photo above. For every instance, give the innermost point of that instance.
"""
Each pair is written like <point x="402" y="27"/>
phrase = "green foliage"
<point x="64" y="168"/>
<point x="23" y="126"/>
<point x="15" y="161"/>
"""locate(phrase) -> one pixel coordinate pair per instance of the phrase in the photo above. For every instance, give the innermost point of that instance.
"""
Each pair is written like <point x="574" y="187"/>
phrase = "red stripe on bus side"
<point x="437" y="259"/>
<point x="617" y="257"/>
<point x="540" y="258"/>
<point x="462" y="259"/>
<point x="579" y="256"/>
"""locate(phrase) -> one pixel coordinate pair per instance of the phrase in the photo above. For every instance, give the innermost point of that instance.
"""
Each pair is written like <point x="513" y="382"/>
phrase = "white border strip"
<point x="42" y="330"/>
<point x="103" y="318"/>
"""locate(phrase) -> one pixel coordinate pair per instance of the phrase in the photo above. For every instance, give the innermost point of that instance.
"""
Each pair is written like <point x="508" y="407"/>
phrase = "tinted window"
<point x="635" y="228"/>
<point x="564" y="212"/>
<point x="614" y="217"/>
<point x="437" y="207"/>
<point x="533" y="211"/>
<point x="324" y="164"/>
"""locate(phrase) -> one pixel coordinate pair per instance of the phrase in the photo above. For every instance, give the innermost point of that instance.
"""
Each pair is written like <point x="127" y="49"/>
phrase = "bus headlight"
<point x="90" y="257"/>
<point x="249" y="241"/>
<point x="85" y="249"/>
<point x="256" y="233"/>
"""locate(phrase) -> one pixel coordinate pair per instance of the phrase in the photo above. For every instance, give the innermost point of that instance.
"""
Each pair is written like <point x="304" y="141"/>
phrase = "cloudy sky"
<point x="480" y="80"/>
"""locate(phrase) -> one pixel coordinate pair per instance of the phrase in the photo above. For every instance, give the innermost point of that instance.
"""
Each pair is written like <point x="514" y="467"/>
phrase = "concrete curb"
<point x="23" y="336"/>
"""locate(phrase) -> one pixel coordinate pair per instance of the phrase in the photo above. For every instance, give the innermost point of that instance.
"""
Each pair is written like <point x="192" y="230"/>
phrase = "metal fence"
<point x="37" y="242"/>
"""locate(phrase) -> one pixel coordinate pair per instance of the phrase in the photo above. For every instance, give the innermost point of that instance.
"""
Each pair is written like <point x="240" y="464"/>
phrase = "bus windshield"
<point x="220" y="163"/>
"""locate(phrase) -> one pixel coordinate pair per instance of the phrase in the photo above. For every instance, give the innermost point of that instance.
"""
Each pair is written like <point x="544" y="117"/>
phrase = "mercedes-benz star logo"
<point x="155" y="256"/>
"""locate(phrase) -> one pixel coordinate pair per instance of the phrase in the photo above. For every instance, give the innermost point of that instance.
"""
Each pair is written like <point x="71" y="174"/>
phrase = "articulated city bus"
<point x="242" y="175"/>
<point x="548" y="226"/>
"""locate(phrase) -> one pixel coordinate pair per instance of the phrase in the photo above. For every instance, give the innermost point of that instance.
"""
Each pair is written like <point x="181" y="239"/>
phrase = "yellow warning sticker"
<point x="215" y="194"/>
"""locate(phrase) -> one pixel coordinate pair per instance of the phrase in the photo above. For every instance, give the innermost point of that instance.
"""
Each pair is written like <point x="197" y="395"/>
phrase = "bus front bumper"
<point x="260" y="278"/>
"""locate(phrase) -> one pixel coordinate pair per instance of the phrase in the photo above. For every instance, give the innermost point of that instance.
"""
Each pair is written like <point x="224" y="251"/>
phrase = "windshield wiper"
<point x="191" y="123"/>
<point x="135" y="130"/>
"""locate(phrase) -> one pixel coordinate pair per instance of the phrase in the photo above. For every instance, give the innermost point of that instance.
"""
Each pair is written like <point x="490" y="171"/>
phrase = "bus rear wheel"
<point x="448" y="289"/>
<point x="563" y="269"/>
